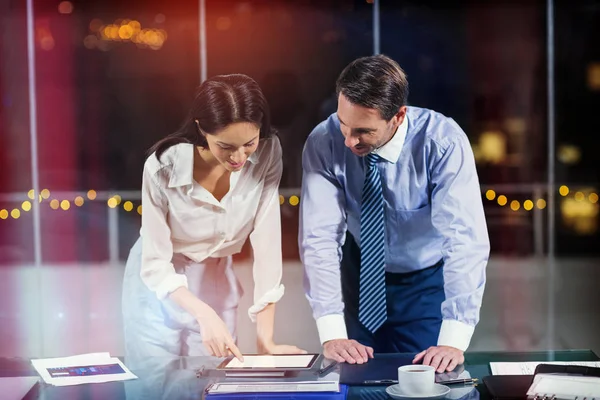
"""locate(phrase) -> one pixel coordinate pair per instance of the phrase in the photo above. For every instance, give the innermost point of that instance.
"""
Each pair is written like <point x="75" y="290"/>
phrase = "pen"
<point x="393" y="382"/>
<point x="380" y="382"/>
<point x="459" y="381"/>
<point x="327" y="368"/>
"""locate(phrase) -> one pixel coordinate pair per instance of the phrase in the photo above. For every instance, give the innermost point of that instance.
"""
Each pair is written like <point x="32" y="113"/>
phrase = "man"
<point x="392" y="231"/>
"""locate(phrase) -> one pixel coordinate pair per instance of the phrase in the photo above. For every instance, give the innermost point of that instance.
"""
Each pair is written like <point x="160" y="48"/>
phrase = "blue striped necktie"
<point x="372" y="311"/>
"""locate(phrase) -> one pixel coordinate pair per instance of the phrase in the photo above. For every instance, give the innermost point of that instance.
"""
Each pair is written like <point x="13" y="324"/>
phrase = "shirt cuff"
<point x="170" y="284"/>
<point x="272" y="296"/>
<point x="455" y="334"/>
<point x="332" y="326"/>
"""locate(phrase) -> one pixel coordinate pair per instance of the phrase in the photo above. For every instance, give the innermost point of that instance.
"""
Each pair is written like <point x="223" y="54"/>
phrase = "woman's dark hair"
<point x="375" y="82"/>
<point x="220" y="101"/>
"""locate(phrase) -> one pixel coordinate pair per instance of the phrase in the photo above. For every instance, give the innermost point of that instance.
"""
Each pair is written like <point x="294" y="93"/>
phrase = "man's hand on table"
<point x="442" y="358"/>
<point x="347" y="350"/>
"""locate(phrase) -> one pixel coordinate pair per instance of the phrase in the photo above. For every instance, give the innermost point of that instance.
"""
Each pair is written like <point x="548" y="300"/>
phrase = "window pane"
<point x="16" y="224"/>
<point x="113" y="78"/>
<point x="463" y="62"/>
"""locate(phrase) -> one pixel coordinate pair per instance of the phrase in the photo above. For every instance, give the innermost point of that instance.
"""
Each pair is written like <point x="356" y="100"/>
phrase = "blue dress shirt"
<point x="433" y="212"/>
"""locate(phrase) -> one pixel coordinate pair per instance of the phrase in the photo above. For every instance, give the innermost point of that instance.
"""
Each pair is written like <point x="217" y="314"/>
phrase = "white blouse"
<point x="181" y="217"/>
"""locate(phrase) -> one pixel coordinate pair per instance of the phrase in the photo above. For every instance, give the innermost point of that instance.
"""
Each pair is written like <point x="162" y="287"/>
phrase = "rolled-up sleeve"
<point x="157" y="270"/>
<point x="321" y="234"/>
<point x="457" y="214"/>
<point x="266" y="236"/>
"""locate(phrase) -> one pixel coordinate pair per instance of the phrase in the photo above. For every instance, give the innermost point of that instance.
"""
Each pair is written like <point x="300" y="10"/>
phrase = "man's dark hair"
<point x="375" y="82"/>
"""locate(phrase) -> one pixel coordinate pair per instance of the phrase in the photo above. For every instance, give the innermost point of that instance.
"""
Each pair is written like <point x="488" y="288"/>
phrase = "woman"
<point x="205" y="189"/>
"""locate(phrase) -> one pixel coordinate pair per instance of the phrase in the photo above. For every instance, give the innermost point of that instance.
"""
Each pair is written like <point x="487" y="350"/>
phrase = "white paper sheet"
<point x="270" y="387"/>
<point x="45" y="367"/>
<point x="528" y="368"/>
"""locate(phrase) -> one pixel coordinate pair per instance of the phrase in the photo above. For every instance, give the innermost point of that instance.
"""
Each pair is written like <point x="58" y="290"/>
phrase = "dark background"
<point x="481" y="63"/>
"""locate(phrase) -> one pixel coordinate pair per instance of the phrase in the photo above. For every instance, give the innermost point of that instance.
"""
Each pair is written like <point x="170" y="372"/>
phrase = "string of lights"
<point x="116" y="200"/>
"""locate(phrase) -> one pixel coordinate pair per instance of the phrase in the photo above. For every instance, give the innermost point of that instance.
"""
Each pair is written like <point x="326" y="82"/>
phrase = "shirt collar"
<point x="254" y="157"/>
<point x="183" y="164"/>
<point x="392" y="149"/>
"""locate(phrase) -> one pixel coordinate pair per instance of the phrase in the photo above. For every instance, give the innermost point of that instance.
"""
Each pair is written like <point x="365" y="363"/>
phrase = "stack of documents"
<point x="84" y="368"/>
<point x="304" y="382"/>
<point x="271" y="387"/>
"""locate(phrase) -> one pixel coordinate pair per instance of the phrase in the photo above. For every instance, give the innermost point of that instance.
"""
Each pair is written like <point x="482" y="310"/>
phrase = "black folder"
<point x="508" y="387"/>
<point x="383" y="367"/>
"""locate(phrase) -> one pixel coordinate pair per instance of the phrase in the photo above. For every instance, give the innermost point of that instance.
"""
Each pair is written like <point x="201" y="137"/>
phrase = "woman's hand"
<point x="216" y="336"/>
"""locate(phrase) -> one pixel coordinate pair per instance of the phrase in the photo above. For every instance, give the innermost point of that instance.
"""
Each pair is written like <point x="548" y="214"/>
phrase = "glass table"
<point x="175" y="378"/>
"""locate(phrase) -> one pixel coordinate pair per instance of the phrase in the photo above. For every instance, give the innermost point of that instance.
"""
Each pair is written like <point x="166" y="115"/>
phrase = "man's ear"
<point x="401" y="114"/>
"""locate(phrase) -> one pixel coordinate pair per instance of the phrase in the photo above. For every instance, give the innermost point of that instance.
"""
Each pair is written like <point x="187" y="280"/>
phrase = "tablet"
<point x="276" y="362"/>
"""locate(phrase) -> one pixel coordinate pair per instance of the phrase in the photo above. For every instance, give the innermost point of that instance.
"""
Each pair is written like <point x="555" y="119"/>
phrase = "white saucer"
<point x="439" y="391"/>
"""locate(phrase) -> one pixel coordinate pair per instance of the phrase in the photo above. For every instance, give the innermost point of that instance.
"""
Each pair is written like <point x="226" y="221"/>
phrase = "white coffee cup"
<point x="416" y="379"/>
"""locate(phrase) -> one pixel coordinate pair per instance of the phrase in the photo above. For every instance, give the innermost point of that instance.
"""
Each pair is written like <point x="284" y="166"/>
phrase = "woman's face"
<point x="232" y="145"/>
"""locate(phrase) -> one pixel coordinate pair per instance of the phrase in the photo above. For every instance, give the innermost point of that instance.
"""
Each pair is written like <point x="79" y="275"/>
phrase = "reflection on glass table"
<point x="176" y="378"/>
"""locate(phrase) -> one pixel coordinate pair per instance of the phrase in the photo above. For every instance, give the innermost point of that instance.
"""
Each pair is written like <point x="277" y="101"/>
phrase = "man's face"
<point x="363" y="128"/>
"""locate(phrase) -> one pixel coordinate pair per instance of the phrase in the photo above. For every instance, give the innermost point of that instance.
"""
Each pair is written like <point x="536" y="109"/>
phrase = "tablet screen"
<point x="266" y="361"/>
